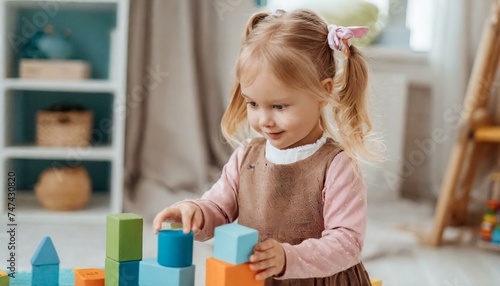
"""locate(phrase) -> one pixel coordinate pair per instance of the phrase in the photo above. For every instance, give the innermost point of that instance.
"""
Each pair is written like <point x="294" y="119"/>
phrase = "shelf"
<point x="99" y="33"/>
<point x="28" y="209"/>
<point x="91" y="85"/>
<point x="28" y="171"/>
<point x="99" y="153"/>
<point x="22" y="106"/>
<point x="65" y="4"/>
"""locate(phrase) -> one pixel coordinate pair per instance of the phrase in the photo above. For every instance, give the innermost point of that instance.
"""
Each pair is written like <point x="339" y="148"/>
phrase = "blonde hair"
<point x="294" y="46"/>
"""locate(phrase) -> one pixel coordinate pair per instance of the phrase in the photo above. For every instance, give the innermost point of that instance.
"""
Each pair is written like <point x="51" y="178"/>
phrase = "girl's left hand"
<point x="268" y="259"/>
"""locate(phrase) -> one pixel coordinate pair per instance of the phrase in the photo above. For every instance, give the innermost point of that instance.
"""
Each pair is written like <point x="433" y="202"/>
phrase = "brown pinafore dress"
<point x="285" y="202"/>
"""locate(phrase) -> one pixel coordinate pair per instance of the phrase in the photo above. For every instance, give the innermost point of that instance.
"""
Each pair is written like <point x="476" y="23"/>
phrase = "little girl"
<point x="297" y="185"/>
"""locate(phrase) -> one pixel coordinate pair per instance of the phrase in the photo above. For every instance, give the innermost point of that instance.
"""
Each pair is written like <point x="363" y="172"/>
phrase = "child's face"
<point x="286" y="117"/>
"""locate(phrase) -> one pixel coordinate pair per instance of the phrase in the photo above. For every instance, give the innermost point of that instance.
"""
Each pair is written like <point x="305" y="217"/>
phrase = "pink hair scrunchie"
<point x="339" y="38"/>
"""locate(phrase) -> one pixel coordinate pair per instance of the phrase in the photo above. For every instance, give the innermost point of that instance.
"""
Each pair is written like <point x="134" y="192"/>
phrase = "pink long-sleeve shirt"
<point x="344" y="211"/>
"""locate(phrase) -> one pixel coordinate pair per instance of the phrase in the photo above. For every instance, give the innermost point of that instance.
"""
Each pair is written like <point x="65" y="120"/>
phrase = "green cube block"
<point x="124" y="237"/>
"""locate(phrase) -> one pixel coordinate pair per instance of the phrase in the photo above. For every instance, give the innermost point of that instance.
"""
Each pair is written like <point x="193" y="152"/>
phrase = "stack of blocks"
<point x="123" y="249"/>
<point x="174" y="264"/>
<point x="45" y="264"/>
<point x="233" y="246"/>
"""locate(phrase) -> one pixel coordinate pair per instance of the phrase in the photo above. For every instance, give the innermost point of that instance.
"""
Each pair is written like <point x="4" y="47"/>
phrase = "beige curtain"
<point x="181" y="59"/>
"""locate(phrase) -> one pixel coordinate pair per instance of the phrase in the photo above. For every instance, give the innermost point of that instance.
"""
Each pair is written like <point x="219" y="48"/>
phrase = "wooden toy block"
<point x="45" y="264"/>
<point x="89" y="276"/>
<point x="124" y="237"/>
<point x="153" y="274"/>
<point x="45" y="254"/>
<point x="375" y="282"/>
<point x="45" y="275"/>
<point x="4" y="279"/>
<point x="121" y="273"/>
<point x="221" y="273"/>
<point x="234" y="243"/>
<point x="175" y="249"/>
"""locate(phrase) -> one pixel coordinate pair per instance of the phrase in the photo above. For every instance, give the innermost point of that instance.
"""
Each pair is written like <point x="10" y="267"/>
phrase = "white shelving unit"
<point x="107" y="25"/>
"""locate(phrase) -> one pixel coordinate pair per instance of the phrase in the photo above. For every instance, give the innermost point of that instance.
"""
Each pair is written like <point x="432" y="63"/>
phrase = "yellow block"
<point x="375" y="282"/>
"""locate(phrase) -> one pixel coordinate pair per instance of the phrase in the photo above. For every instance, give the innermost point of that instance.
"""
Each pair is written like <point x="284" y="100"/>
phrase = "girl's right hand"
<point x="188" y="213"/>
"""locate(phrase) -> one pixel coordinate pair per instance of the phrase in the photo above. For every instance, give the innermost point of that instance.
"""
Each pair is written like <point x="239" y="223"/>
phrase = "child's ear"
<point x="327" y="84"/>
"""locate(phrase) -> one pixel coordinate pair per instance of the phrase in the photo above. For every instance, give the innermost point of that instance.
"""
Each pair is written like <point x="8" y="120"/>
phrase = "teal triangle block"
<point x="46" y="253"/>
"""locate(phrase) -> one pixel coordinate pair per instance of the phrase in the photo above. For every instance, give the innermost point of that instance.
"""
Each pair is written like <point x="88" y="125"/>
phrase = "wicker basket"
<point x="64" y="128"/>
<point x="64" y="188"/>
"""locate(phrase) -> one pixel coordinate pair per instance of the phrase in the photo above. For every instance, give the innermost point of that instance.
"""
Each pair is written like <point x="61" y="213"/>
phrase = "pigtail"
<point x="234" y="115"/>
<point x="351" y="112"/>
<point x="236" y="111"/>
<point x="253" y="21"/>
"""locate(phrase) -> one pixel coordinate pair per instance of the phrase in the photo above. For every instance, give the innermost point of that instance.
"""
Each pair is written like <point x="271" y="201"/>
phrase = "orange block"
<point x="89" y="276"/>
<point x="220" y="273"/>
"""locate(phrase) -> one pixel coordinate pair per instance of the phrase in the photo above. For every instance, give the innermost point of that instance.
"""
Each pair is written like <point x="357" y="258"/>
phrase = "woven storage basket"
<point x="64" y="128"/>
<point x="64" y="188"/>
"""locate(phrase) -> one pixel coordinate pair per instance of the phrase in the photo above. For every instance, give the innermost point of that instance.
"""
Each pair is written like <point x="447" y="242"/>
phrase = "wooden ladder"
<point x="474" y="130"/>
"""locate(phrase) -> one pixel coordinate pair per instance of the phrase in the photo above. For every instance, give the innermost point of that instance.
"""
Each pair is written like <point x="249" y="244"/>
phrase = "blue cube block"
<point x="234" y="243"/>
<point x="125" y="273"/>
<point x="153" y="274"/>
<point x="175" y="249"/>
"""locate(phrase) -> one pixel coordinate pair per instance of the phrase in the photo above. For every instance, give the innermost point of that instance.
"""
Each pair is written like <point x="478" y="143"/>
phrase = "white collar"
<point x="292" y="155"/>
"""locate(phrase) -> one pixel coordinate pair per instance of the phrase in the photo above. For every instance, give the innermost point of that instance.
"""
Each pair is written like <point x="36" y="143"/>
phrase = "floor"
<point x="392" y="251"/>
